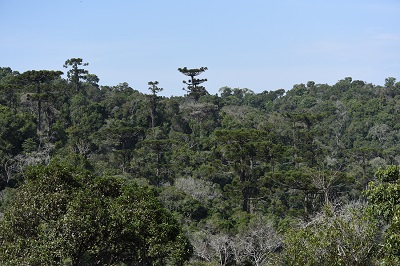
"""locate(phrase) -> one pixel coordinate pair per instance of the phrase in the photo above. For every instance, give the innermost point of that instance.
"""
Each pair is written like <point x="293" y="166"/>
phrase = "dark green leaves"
<point x="69" y="215"/>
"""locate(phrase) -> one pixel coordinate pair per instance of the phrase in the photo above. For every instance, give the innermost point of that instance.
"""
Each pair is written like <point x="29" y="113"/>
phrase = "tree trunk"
<point x="39" y="127"/>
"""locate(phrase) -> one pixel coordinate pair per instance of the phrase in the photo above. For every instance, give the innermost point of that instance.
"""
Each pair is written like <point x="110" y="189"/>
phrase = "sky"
<point x="262" y="45"/>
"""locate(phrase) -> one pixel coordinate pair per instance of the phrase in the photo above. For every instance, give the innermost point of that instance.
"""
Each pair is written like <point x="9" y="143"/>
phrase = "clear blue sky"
<point x="255" y="44"/>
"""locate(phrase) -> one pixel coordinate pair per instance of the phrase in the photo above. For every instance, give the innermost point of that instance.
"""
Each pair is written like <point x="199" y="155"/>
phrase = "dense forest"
<point x="108" y="175"/>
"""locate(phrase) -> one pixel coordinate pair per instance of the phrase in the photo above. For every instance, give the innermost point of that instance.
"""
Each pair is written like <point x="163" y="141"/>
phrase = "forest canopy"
<point x="109" y="174"/>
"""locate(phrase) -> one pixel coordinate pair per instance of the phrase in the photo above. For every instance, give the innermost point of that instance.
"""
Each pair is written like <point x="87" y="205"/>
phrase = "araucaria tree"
<point x="193" y="84"/>
<point x="153" y="100"/>
<point x="75" y="74"/>
<point x="243" y="150"/>
<point x="38" y="79"/>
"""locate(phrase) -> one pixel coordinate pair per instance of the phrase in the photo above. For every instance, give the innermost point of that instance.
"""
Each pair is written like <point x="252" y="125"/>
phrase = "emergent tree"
<point x="75" y="74"/>
<point x="153" y="100"/>
<point x="193" y="84"/>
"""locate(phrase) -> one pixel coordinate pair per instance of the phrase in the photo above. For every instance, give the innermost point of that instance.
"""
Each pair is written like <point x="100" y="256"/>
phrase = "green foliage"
<point x="343" y="236"/>
<point x="38" y="77"/>
<point x="384" y="199"/>
<point x="6" y="198"/>
<point x="193" y="84"/>
<point x="185" y="206"/>
<point x="217" y="162"/>
<point x="16" y="128"/>
<point x="8" y="95"/>
<point x="75" y="74"/>
<point x="42" y="90"/>
<point x="243" y="152"/>
<point x="62" y="214"/>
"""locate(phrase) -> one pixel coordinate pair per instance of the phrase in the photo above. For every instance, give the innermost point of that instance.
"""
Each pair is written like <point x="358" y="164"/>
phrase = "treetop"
<point x="191" y="72"/>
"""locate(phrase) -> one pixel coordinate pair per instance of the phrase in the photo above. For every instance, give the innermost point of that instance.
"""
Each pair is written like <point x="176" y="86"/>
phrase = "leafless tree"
<point x="338" y="235"/>
<point x="221" y="246"/>
<point x="200" y="242"/>
<point x="258" y="243"/>
<point x="200" y="190"/>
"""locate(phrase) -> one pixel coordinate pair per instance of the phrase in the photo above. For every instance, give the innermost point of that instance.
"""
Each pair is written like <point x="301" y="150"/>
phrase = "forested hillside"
<point x="239" y="178"/>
